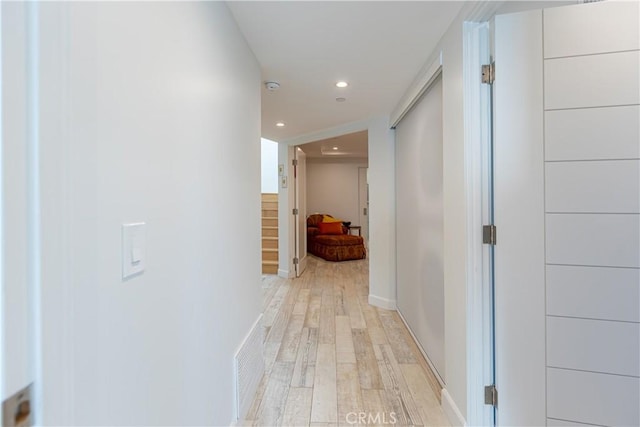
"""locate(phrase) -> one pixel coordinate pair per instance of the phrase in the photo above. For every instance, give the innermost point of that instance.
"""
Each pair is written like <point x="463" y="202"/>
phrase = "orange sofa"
<point x="333" y="242"/>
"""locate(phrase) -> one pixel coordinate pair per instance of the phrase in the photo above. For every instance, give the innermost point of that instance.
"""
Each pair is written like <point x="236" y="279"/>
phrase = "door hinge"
<point x="489" y="73"/>
<point x="295" y="261"/>
<point x="491" y="395"/>
<point x="489" y="234"/>
<point x="295" y="162"/>
<point x="295" y="211"/>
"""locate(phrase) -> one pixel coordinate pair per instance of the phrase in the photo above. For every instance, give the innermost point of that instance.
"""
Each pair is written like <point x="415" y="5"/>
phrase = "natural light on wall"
<point x="269" y="166"/>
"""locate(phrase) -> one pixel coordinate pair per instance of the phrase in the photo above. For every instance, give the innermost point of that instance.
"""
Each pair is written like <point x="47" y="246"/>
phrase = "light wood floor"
<point x="334" y="360"/>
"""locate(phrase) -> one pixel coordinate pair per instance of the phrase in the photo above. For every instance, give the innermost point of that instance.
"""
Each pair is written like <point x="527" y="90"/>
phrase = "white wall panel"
<point x="594" y="345"/>
<point x="420" y="233"/>
<point x="598" y="240"/>
<point x="591" y="28"/>
<point x="592" y="81"/>
<point x="594" y="292"/>
<point x="593" y="186"/>
<point x="17" y="371"/>
<point x="593" y="133"/>
<point x="593" y="398"/>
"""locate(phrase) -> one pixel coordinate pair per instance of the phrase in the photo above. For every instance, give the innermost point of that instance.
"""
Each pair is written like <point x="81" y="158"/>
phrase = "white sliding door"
<point x="419" y="223"/>
<point x="567" y="195"/>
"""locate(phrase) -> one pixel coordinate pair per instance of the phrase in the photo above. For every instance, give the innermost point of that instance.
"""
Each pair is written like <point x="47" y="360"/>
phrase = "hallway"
<point x="333" y="360"/>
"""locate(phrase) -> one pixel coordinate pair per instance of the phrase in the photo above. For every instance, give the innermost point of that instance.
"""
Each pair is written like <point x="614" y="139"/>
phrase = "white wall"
<point x="286" y="223"/>
<point x="16" y="371"/>
<point x="382" y="214"/>
<point x="332" y="188"/>
<point x="149" y="112"/>
<point x="269" y="165"/>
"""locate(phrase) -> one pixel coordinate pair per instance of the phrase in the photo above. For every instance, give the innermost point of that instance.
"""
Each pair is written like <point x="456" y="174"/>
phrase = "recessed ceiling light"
<point x="280" y="124"/>
<point x="335" y="148"/>
<point x="342" y="84"/>
<point x="341" y="99"/>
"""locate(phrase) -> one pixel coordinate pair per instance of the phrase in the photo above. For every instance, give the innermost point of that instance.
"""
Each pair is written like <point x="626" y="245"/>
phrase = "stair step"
<point x="269" y="197"/>
<point x="270" y="205"/>
<point x="269" y="254"/>
<point x="269" y="243"/>
<point x="270" y="268"/>
<point x="269" y="213"/>
<point x="269" y="222"/>
<point x="270" y="232"/>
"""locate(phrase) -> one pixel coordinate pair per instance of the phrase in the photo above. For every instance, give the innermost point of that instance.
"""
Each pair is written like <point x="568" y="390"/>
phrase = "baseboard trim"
<point x="285" y="274"/>
<point x="387" y="304"/>
<point x="434" y="371"/>
<point x="451" y="410"/>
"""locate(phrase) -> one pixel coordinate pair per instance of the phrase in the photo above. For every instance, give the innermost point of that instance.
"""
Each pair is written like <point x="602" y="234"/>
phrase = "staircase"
<point x="269" y="233"/>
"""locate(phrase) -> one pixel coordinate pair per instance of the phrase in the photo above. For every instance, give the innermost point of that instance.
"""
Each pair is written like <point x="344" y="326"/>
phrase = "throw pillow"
<point x="329" y="218"/>
<point x="330" y="228"/>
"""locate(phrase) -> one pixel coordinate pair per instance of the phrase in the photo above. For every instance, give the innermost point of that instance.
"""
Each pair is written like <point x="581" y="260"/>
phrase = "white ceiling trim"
<point x="416" y="91"/>
<point x="329" y="133"/>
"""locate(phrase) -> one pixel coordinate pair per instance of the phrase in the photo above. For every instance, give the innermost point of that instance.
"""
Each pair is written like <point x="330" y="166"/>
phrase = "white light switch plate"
<point x="133" y="249"/>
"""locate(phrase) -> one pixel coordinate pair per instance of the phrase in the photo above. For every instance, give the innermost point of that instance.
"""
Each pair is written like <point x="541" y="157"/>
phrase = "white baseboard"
<point x="387" y="304"/>
<point x="285" y="274"/>
<point x="451" y="410"/>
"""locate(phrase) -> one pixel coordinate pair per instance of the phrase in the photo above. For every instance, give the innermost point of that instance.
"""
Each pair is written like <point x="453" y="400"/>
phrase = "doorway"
<point x="336" y="179"/>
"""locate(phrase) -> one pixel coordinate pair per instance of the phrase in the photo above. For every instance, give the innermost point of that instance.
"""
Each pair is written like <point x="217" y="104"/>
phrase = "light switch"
<point x="136" y="255"/>
<point x="133" y="249"/>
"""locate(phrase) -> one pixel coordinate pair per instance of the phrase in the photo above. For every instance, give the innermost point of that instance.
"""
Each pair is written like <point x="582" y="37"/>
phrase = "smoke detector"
<point x="272" y="86"/>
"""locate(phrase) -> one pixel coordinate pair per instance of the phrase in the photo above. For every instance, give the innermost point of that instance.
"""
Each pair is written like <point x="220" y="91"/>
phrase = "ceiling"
<point x="378" y="47"/>
<point x="352" y="145"/>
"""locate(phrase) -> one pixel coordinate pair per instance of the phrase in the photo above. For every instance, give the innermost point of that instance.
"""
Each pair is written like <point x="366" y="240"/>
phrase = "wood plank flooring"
<point x="334" y="360"/>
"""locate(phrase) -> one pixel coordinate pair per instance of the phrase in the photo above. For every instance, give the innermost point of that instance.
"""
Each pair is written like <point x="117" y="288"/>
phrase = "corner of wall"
<point x="387" y="304"/>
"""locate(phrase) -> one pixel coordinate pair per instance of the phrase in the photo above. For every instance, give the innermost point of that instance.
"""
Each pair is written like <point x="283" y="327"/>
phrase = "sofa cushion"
<point x="330" y="228"/>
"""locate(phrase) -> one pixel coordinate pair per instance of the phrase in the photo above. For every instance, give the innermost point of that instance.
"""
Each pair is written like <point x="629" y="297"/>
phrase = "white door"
<point x="420" y="223"/>
<point x="567" y="211"/>
<point x="300" y="175"/>
<point x="363" y="202"/>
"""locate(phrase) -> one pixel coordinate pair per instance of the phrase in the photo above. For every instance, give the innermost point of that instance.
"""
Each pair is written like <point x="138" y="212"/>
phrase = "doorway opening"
<point x="336" y="181"/>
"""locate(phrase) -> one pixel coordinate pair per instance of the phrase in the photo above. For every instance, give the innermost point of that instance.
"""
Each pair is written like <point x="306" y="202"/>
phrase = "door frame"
<point x="478" y="152"/>
<point x="363" y="211"/>
<point x="300" y="203"/>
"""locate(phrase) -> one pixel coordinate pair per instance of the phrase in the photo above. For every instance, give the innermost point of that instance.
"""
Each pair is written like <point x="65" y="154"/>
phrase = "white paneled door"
<point x="567" y="196"/>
